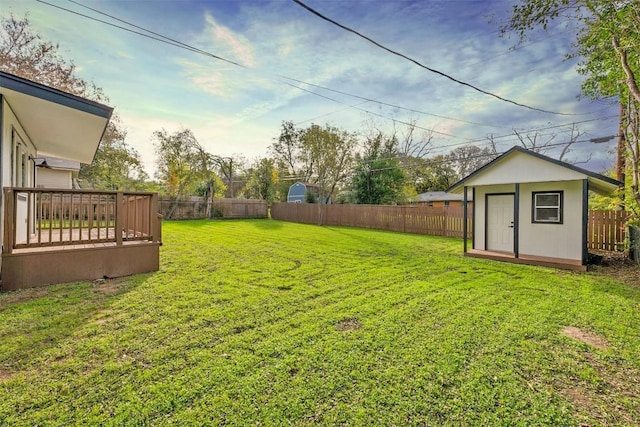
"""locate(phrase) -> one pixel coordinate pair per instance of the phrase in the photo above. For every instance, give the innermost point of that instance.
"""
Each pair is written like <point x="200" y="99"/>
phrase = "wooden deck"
<point x="64" y="239"/>
<point x="563" y="264"/>
<point x="57" y="235"/>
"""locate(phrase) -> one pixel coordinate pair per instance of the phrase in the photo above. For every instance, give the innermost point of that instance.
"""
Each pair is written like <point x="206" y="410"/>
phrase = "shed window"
<point x="547" y="207"/>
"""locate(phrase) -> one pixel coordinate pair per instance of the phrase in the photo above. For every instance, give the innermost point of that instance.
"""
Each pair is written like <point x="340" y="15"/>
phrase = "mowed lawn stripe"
<point x="273" y="323"/>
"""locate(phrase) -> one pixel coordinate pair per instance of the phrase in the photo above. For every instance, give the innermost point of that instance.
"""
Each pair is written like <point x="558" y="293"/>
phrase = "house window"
<point x="447" y="203"/>
<point x="547" y="207"/>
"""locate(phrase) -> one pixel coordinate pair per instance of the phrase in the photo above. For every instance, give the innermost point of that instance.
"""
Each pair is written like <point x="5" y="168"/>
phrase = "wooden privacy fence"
<point x="606" y="228"/>
<point x="199" y="207"/>
<point x="418" y="219"/>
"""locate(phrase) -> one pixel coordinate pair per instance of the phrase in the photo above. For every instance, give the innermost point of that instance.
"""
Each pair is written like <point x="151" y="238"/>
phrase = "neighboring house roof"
<point x="58" y="164"/>
<point x="437" y="196"/>
<point x="522" y="166"/>
<point x="59" y="124"/>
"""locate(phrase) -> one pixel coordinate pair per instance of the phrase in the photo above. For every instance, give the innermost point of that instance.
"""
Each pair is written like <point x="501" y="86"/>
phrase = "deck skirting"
<point x="31" y="268"/>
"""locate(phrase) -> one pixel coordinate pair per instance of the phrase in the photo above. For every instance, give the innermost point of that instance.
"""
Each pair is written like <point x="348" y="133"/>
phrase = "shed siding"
<point x="552" y="240"/>
<point x="545" y="240"/>
<point x="526" y="169"/>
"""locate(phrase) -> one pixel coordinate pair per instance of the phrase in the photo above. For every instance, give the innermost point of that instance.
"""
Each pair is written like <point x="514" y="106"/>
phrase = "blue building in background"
<point x="298" y="192"/>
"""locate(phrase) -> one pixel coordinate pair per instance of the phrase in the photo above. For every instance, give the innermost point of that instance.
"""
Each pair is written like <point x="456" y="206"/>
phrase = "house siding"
<point x="52" y="178"/>
<point x="9" y="124"/>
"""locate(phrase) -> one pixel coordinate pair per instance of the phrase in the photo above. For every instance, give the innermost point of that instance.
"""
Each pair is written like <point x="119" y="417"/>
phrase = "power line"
<point x="388" y="104"/>
<point x="460" y="82"/>
<point x="493" y="154"/>
<point x="176" y="43"/>
<point x="523" y="131"/>
<point x="189" y="47"/>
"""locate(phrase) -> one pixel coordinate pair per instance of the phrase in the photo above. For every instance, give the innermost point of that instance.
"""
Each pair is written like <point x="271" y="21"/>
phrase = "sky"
<point x="285" y="52"/>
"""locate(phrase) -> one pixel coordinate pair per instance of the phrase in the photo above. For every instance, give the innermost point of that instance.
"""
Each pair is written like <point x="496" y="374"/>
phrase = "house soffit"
<point x="59" y="124"/>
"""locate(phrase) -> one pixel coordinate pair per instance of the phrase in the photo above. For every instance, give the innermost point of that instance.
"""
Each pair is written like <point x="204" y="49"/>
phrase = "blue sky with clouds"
<point x="239" y="110"/>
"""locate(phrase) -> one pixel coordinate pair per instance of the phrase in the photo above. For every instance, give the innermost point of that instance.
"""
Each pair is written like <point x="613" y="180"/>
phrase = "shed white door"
<point x="500" y="222"/>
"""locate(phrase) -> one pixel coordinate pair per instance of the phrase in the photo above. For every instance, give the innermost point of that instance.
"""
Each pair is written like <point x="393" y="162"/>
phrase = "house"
<point x="62" y="235"/>
<point x="532" y="209"/>
<point x="55" y="173"/>
<point x="298" y="192"/>
<point x="438" y="199"/>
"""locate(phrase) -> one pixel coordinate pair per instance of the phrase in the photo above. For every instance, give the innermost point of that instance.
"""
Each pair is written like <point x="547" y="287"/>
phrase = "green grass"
<point x="271" y="323"/>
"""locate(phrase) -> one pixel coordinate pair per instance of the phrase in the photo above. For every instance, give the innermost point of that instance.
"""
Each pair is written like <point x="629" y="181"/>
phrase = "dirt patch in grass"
<point x="618" y="266"/>
<point x="579" y="397"/>
<point x="586" y="403"/>
<point x="348" y="324"/>
<point x="609" y="401"/>
<point x="109" y="286"/>
<point x="586" y="337"/>
<point x="22" y="296"/>
<point x="5" y="375"/>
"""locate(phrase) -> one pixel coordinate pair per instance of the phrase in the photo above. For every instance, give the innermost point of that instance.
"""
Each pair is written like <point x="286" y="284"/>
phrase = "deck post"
<point x="465" y="200"/>
<point x="154" y="227"/>
<point x="119" y="209"/>
<point x="9" y="221"/>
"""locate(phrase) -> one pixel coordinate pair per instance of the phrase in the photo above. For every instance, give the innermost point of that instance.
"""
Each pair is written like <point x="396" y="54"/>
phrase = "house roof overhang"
<point x="598" y="183"/>
<point x="57" y="123"/>
<point x="437" y="196"/>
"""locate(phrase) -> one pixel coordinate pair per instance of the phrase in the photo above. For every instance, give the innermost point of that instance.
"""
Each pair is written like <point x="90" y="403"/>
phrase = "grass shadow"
<point x="32" y="321"/>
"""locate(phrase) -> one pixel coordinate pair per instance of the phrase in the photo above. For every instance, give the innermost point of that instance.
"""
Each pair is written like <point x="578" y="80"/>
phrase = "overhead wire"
<point x="176" y="43"/>
<point x="433" y="70"/>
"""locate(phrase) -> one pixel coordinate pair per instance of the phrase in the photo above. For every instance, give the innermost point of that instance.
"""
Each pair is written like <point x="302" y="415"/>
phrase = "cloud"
<point x="239" y="47"/>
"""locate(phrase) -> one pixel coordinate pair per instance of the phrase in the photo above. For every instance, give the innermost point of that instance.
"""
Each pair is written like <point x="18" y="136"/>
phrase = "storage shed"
<point x="529" y="208"/>
<point x="298" y="191"/>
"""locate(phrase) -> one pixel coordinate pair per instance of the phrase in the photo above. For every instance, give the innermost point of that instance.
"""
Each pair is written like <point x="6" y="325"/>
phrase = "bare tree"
<point x="545" y="144"/>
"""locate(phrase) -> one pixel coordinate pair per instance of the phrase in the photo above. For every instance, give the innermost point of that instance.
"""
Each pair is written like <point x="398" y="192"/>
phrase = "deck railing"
<point x="38" y="217"/>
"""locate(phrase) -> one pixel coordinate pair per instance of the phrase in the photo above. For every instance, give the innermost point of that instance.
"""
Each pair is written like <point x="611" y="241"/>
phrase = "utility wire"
<point x="176" y="43"/>
<point x="173" y="42"/>
<point x="344" y="27"/>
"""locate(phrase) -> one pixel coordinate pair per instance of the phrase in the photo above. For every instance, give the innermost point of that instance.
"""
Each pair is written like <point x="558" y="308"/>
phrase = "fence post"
<point x="404" y="219"/>
<point x="154" y="229"/>
<point x="444" y="222"/>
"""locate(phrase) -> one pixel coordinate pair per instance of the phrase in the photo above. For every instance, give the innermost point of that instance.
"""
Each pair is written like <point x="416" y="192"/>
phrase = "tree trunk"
<point x="631" y="79"/>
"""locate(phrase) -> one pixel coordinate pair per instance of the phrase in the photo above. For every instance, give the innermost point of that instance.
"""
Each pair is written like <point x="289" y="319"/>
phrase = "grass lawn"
<point x="271" y="323"/>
